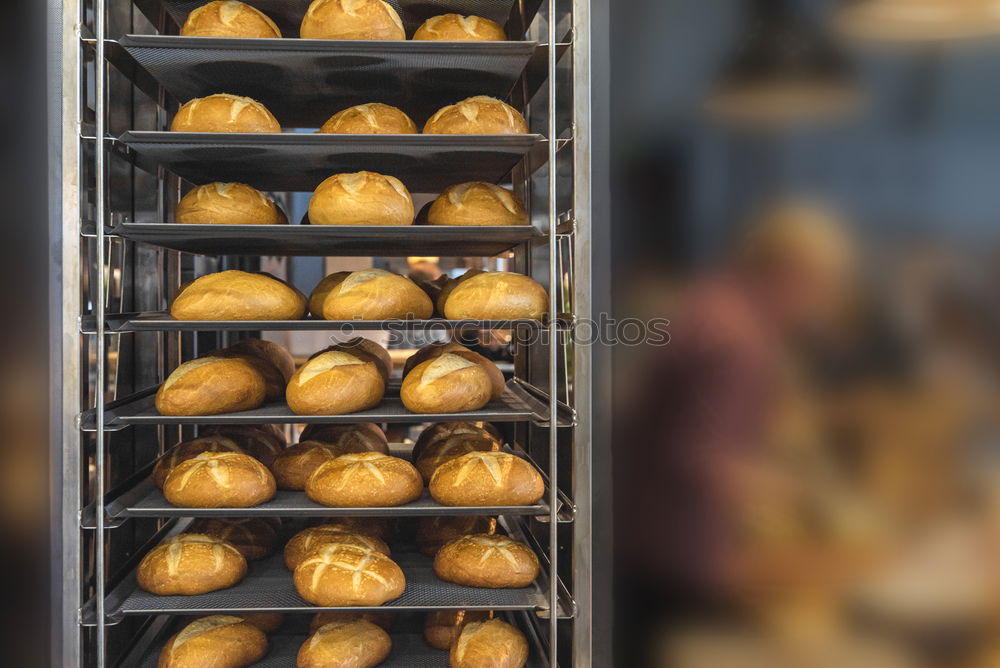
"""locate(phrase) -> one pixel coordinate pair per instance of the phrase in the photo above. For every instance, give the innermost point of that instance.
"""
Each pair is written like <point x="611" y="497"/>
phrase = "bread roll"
<point x="379" y="618"/>
<point x="229" y="19"/>
<point x="370" y="119"/>
<point x="370" y="294"/>
<point x="190" y="564"/>
<point x="364" y="346"/>
<point x="220" y="641"/>
<point x="449" y="383"/>
<point x="238" y="295"/>
<point x="224" y="113"/>
<point x="262" y="442"/>
<point x="307" y="542"/>
<point x="266" y="350"/>
<point x="489" y="644"/>
<point x="441" y="430"/>
<point x="274" y="380"/>
<point x="211" y="385"/>
<point x="348" y="438"/>
<point x="254" y="537"/>
<point x="376" y="527"/>
<point x="188" y="449"/>
<point x="458" y="28"/>
<point x="480" y="115"/>
<point x="482" y="560"/>
<point x="442" y="626"/>
<point x="219" y="480"/>
<point x="341" y="576"/>
<point x="477" y="203"/>
<point x="229" y="204"/>
<point x="268" y="622"/>
<point x="357" y="644"/>
<point x="361" y="198"/>
<point x="437" y="349"/>
<point x="296" y="463"/>
<point x="493" y="295"/>
<point x="433" y="532"/>
<point x="365" y="480"/>
<point x="487" y="479"/>
<point x="351" y="19"/>
<point x="335" y="382"/>
<point x="450" y="448"/>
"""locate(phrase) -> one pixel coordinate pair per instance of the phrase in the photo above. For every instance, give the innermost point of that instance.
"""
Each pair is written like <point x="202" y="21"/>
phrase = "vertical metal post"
<point x="554" y="288"/>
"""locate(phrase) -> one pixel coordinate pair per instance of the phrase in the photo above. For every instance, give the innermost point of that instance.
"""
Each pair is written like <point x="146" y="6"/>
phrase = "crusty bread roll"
<point x="348" y="438"/>
<point x="440" y="430"/>
<point x="480" y="115"/>
<point x="335" y="382"/>
<point x="229" y="204"/>
<point x="493" y="295"/>
<point x="376" y="527"/>
<point x="487" y="479"/>
<point x="305" y="543"/>
<point x="356" y="644"/>
<point x="443" y="626"/>
<point x="363" y="346"/>
<point x="377" y="617"/>
<point x="260" y="441"/>
<point x="437" y="349"/>
<point x="489" y="644"/>
<point x="340" y="576"/>
<point x="224" y="113"/>
<point x="433" y="532"/>
<point x="361" y="198"/>
<point x="238" y="295"/>
<point x="482" y="560"/>
<point x="211" y="385"/>
<point x="477" y="203"/>
<point x="269" y="351"/>
<point x="254" y="537"/>
<point x="268" y="622"/>
<point x="227" y="18"/>
<point x="370" y="119"/>
<point x="296" y="463"/>
<point x="450" y="448"/>
<point x="370" y="294"/>
<point x="365" y="480"/>
<point x="351" y="19"/>
<point x="274" y="380"/>
<point x="189" y="564"/>
<point x="219" y="480"/>
<point x="188" y="449"/>
<point x="458" y="28"/>
<point x="220" y="641"/>
<point x="449" y="383"/>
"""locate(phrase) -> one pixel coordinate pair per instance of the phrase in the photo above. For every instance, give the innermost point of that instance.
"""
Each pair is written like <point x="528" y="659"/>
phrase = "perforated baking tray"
<point x="301" y="161"/>
<point x="305" y="81"/>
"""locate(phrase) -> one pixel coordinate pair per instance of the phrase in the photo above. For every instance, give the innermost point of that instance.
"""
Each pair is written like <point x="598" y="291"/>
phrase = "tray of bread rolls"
<point x="290" y="161"/>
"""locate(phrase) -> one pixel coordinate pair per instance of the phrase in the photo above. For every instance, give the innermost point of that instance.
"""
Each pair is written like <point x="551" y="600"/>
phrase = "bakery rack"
<point x="124" y="72"/>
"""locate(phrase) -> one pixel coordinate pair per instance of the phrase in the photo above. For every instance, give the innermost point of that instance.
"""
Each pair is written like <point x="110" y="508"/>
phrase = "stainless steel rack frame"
<point x="121" y="259"/>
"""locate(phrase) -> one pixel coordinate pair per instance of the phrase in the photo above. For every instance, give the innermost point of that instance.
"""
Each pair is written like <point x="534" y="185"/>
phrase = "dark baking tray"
<point x="305" y="81"/>
<point x="330" y="240"/>
<point x="301" y="161"/>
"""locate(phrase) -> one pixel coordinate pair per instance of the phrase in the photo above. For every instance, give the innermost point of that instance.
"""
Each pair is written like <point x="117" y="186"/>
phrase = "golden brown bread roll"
<point x="268" y="351"/>
<point x="305" y="543"/>
<point x="224" y="113"/>
<point x="376" y="527"/>
<point x="219" y="480"/>
<point x="458" y="28"/>
<point x="370" y="119"/>
<point x="188" y="449"/>
<point x="340" y="576"/>
<point x="489" y="644"/>
<point x="383" y="619"/>
<point x="189" y="564"/>
<point x="229" y="204"/>
<point x="254" y="537"/>
<point x="449" y="383"/>
<point x="296" y="463"/>
<point x="268" y="622"/>
<point x="437" y="349"/>
<point x="220" y="641"/>
<point x="361" y="198"/>
<point x="211" y="385"/>
<point x="480" y="115"/>
<point x="433" y="532"/>
<point x="365" y="480"/>
<point x="262" y="442"/>
<point x="487" y="479"/>
<point x="238" y="295"/>
<point x="440" y="430"/>
<point x="335" y="382"/>
<point x="450" y="448"/>
<point x="274" y="380"/>
<point x="227" y="18"/>
<point x="477" y="203"/>
<point x="359" y="344"/>
<point x="358" y="437"/>
<point x="351" y="19"/>
<point x="493" y="295"/>
<point x="482" y="560"/>
<point x="356" y="644"/>
<point x="442" y="626"/>
<point x="369" y="294"/>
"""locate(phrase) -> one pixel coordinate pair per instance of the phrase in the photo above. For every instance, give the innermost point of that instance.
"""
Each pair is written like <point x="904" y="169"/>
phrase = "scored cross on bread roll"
<point x="449" y="383"/>
<point x="188" y="449"/>
<point x="477" y="203"/>
<point x="487" y="479"/>
<point x="370" y="119"/>
<point x="305" y="543"/>
<point x="458" y="28"/>
<point x="224" y="113"/>
<point x="220" y="641"/>
<point x="254" y="537"/>
<point x="189" y="564"/>
<point x="228" y="204"/>
<point x="489" y="644"/>
<point x="351" y="19"/>
<point x="345" y="644"/>
<point x="336" y="382"/>
<point x="228" y="18"/>
<point x="480" y="115"/>
<point x="437" y="349"/>
<point x="369" y="294"/>
<point x="482" y="560"/>
<point x="211" y="385"/>
<point x="219" y="480"/>
<point x="493" y="295"/>
<point x="341" y="576"/>
<point x="365" y="480"/>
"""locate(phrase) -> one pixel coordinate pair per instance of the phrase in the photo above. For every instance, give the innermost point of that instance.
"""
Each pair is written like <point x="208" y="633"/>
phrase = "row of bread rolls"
<point x="338" y="640"/>
<point x="367" y="294"/>
<point x="477" y="115"/>
<point x="337" y="19"/>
